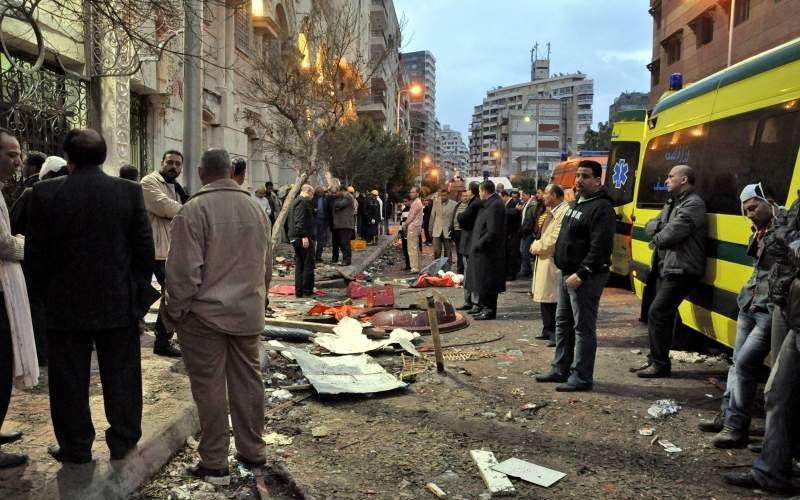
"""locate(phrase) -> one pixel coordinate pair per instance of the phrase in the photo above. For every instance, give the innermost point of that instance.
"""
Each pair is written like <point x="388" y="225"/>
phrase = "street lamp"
<point x="413" y="89"/>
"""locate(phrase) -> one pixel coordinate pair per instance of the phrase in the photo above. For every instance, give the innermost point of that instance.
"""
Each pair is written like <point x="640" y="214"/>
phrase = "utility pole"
<point x="192" y="94"/>
<point x="730" y="31"/>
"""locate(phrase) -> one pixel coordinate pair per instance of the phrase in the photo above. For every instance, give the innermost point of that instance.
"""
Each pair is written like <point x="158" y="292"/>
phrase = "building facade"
<point x="381" y="102"/>
<point x="454" y="158"/>
<point x="692" y="38"/>
<point x="419" y="68"/>
<point x="627" y="101"/>
<point x="529" y="126"/>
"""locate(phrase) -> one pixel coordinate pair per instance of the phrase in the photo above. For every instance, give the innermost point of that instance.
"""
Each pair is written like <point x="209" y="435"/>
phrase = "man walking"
<point x="466" y="221"/>
<point x="678" y="238"/>
<point x="546" y="275"/>
<point x="343" y="215"/>
<point x="583" y="255"/>
<point x="527" y="210"/>
<point x="441" y="224"/>
<point x="487" y="250"/>
<point x="89" y="252"/>
<point x="301" y="236"/>
<point x="322" y="219"/>
<point x="513" y="219"/>
<point x="11" y="253"/>
<point x="753" y="327"/>
<point x="413" y="228"/>
<point x="162" y="200"/>
<point x="215" y="298"/>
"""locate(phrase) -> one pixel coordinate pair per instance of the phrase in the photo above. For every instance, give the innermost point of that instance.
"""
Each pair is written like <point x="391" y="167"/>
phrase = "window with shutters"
<point x="243" y="29"/>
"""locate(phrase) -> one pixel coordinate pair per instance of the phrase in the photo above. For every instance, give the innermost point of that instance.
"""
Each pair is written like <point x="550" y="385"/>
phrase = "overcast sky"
<point x="479" y="45"/>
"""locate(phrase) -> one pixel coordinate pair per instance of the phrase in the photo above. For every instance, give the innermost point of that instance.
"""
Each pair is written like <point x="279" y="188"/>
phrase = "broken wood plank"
<point x="373" y="333"/>
<point x="497" y="482"/>
<point x="436" y="490"/>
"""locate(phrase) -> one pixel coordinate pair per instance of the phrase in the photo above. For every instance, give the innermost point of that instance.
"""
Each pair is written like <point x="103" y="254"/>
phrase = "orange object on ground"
<point x="337" y="312"/>
<point x="426" y="281"/>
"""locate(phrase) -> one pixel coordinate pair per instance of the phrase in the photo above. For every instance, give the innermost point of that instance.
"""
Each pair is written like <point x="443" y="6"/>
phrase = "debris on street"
<point x="663" y="408"/>
<point x="348" y="339"/>
<point x="436" y="490"/>
<point x="532" y="473"/>
<point x="497" y="482"/>
<point x="273" y="438"/>
<point x="668" y="446"/>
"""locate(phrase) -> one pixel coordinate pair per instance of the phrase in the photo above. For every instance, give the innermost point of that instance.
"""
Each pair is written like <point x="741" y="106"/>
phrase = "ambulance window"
<point x="621" y="172"/>
<point x="682" y="147"/>
<point x="729" y="156"/>
<point x="776" y="153"/>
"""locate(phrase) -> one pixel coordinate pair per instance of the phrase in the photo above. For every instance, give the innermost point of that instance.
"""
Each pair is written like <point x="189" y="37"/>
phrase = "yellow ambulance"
<point x="735" y="127"/>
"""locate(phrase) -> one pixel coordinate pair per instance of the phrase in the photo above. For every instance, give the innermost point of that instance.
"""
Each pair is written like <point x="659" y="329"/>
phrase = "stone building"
<point x="627" y="101"/>
<point x="692" y="38"/>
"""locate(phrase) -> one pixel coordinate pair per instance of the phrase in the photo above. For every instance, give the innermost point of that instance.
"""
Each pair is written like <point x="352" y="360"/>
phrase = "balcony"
<point x="378" y="19"/>
<point x="373" y="106"/>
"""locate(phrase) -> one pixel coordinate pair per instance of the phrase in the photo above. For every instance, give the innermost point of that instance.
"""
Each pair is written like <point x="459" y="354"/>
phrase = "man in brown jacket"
<point x="163" y="201"/>
<point x="217" y="272"/>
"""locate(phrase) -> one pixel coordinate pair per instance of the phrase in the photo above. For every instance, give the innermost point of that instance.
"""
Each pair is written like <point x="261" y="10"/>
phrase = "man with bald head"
<point x="89" y="253"/>
<point x="678" y="240"/>
<point x="218" y="267"/>
<point x="301" y="236"/>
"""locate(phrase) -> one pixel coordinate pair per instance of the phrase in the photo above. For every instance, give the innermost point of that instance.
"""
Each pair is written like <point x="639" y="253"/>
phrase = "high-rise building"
<point x="692" y="38"/>
<point x="627" y="101"/>
<point x="529" y="125"/>
<point x="419" y="68"/>
<point x="380" y="102"/>
<point x="455" y="155"/>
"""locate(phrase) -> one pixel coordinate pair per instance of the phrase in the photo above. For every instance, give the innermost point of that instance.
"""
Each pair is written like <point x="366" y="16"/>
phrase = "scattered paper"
<point x="663" y="408"/>
<point x="646" y="431"/>
<point x="347" y="338"/>
<point x="668" y="446"/>
<point x="529" y="472"/>
<point x="497" y="482"/>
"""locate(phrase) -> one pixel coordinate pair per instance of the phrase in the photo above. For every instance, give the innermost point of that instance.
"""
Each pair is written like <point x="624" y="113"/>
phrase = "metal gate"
<point x="140" y="157"/>
<point x="40" y="107"/>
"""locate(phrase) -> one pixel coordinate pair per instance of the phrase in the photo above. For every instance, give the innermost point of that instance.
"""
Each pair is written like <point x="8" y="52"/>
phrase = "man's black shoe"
<point x="476" y="309"/>
<point x="756" y="447"/>
<point x="551" y="343"/>
<point x="567" y="387"/>
<point x="219" y="477"/>
<point x="542" y="337"/>
<point x="465" y="307"/>
<point x="729" y="437"/>
<point x="166" y="350"/>
<point x="485" y="315"/>
<point x="551" y="377"/>
<point x="711" y="425"/>
<point x="645" y="366"/>
<point x="8" y="460"/>
<point x="748" y="480"/>
<point x="10" y="437"/>
<point x="249" y="463"/>
<point x="653" y="371"/>
<point x="56" y="452"/>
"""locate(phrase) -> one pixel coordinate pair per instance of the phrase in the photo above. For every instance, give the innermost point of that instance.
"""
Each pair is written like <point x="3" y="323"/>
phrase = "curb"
<point x="104" y="480"/>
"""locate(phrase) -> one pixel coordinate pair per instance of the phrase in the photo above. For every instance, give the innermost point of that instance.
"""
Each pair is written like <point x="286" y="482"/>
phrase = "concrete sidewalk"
<point x="169" y="416"/>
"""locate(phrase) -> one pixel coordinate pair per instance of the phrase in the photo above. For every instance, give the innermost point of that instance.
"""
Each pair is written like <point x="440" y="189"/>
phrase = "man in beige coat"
<point x="546" y="275"/>
<point x="441" y="223"/>
<point x="218" y="268"/>
<point x="162" y="201"/>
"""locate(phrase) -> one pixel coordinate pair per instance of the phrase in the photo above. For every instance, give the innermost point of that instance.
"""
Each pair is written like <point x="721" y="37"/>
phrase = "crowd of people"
<point x="565" y="249"/>
<point x="79" y="248"/>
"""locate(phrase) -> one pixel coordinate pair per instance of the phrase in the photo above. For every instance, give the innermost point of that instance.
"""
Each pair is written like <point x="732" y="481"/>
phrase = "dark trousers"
<point x="69" y="367"/>
<point x="6" y="361"/>
<point x="405" y="252"/>
<point x="459" y="256"/>
<point x="548" y="310"/>
<point x="489" y="301"/>
<point x="303" y="268"/>
<point x="341" y="238"/>
<point x="512" y="257"/>
<point x="320" y="236"/>
<point x="526" y="259"/>
<point x="670" y="292"/>
<point x="163" y="336"/>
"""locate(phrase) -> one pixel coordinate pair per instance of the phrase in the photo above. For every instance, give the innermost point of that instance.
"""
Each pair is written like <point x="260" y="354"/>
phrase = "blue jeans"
<point x="773" y="468"/>
<point x="576" y="329"/>
<point x="750" y="351"/>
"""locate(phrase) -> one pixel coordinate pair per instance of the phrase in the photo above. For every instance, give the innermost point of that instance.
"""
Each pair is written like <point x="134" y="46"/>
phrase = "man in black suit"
<point x="486" y="251"/>
<point x="513" y="220"/>
<point x="89" y="251"/>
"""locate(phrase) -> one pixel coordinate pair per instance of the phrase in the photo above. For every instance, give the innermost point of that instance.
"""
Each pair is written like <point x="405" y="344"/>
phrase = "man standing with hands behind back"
<point x="583" y="254"/>
<point x="163" y="201"/>
<point x="301" y="236"/>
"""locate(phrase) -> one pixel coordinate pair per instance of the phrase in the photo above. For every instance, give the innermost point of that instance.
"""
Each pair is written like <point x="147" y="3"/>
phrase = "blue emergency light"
<point x="675" y="81"/>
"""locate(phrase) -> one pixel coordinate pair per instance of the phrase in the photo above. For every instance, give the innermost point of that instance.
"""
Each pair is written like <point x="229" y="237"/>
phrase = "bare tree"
<point x="307" y="85"/>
